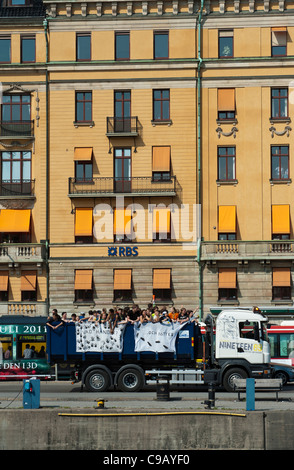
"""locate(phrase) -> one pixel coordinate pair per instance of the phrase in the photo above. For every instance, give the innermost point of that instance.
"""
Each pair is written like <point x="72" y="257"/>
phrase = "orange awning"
<point x="161" y="158"/>
<point x="161" y="278"/>
<point x="83" y="279"/>
<point x="84" y="221"/>
<point x="4" y="280"/>
<point x="122" y="279"/>
<point x="281" y="218"/>
<point x="161" y="220"/>
<point x="28" y="280"/>
<point x="122" y="224"/>
<point x="281" y="277"/>
<point x="227" y="219"/>
<point x="83" y="154"/>
<point x="226" y="99"/>
<point x="227" y="278"/>
<point x="15" y="220"/>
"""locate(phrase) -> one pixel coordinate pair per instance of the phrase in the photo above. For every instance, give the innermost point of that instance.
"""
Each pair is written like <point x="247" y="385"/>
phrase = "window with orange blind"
<point x="279" y="41"/>
<point x="122" y="285"/>
<point x="15" y="225"/>
<point x="84" y="225"/>
<point x="161" y="224"/>
<point x="162" y="284"/>
<point x="28" y="286"/>
<point x="281" y="222"/>
<point x="161" y="163"/>
<point x="227" y="284"/>
<point x="122" y="225"/>
<point x="226" y="105"/>
<point x="4" y="279"/>
<point x="83" y="285"/>
<point x="227" y="223"/>
<point x="282" y="283"/>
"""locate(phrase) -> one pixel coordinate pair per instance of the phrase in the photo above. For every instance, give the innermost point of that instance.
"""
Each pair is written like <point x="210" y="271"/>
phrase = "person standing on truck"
<point x="54" y="319"/>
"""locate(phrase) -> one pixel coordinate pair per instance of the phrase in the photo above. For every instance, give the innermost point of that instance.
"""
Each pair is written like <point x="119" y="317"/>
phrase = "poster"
<point x="97" y="338"/>
<point x="156" y="337"/>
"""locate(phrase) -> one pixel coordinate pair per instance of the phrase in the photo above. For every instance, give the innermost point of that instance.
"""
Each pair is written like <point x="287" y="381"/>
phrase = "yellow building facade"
<point x="131" y="131"/>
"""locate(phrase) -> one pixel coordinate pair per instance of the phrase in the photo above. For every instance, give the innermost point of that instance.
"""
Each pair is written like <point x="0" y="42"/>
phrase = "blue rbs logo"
<point x="123" y="251"/>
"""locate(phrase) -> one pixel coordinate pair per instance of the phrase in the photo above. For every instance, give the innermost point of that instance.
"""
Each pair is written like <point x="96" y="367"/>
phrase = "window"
<point x="280" y="222"/>
<point x="15" y="225"/>
<point x="16" y="108"/>
<point x="227" y="227"/>
<point x="161" y="224"/>
<point x="160" y="163"/>
<point x="122" y="225"/>
<point x="84" y="225"/>
<point x="15" y="173"/>
<point x="83" y="46"/>
<point x="122" y="46"/>
<point x="281" y="283"/>
<point x="5" y="49"/>
<point x="36" y="343"/>
<point x="280" y="162"/>
<point x="227" y="284"/>
<point x="122" y="111"/>
<point x="122" y="170"/>
<point x="225" y="44"/>
<point x="29" y="286"/>
<point x="5" y="347"/>
<point x="226" y="163"/>
<point x="4" y="277"/>
<point x="122" y="285"/>
<point x="279" y="41"/>
<point x="84" y="106"/>
<point x="83" y="285"/>
<point x="279" y="103"/>
<point x="161" y="105"/>
<point x="247" y="329"/>
<point x="161" y="45"/>
<point x="83" y="171"/>
<point x="226" y="103"/>
<point x="28" y="49"/>
<point x="162" y="285"/>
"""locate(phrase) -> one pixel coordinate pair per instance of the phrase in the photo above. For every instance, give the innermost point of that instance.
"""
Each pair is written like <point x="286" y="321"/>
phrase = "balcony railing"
<point x="119" y="126"/>
<point x="107" y="186"/>
<point x="17" y="188"/>
<point x="21" y="129"/>
<point x="21" y="253"/>
<point x="250" y="250"/>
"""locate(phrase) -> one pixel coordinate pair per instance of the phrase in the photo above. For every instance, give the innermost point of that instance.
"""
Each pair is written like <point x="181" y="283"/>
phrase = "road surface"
<point x="67" y="395"/>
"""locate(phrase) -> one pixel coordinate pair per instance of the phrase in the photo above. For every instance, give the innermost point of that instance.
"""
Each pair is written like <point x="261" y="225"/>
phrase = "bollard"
<point x="250" y="394"/>
<point x="211" y="396"/>
<point x="100" y="402"/>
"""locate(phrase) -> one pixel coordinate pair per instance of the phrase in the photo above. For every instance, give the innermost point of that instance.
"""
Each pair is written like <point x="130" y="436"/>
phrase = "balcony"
<point x="16" y="253"/>
<point x="135" y="186"/>
<point x="247" y="250"/>
<point x="122" y="126"/>
<point x="17" y="189"/>
<point x="16" y="129"/>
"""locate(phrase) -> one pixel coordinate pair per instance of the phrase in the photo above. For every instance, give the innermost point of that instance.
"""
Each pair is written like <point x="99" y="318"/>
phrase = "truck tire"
<point x="130" y="380"/>
<point x="230" y="375"/>
<point x="97" y="380"/>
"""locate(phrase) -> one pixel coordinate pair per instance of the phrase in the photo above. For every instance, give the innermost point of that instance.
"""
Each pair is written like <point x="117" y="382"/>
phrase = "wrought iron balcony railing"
<point x="17" y="188"/>
<point x="17" y="129"/>
<point x="137" y="185"/>
<point x="122" y="126"/>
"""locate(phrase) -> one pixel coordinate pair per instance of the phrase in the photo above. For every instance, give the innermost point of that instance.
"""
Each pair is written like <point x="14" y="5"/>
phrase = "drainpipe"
<point x="199" y="156"/>
<point x="45" y="24"/>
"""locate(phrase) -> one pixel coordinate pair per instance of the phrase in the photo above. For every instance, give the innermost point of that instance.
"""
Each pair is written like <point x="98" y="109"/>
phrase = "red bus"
<point x="281" y="339"/>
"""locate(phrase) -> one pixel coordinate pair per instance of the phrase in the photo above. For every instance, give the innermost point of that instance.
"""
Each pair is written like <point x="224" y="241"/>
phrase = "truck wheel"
<point x="130" y="380"/>
<point x="97" y="380"/>
<point x="230" y="375"/>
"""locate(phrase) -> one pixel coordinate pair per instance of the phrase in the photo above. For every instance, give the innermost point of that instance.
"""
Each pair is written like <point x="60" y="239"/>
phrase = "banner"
<point x="156" y="337"/>
<point x="97" y="338"/>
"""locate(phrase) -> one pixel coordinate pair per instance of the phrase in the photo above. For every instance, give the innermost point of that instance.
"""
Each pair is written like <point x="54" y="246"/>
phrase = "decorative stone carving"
<point x="227" y="134"/>
<point x="280" y="133"/>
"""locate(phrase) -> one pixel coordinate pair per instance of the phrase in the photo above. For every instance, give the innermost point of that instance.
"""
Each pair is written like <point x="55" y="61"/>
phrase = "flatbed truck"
<point x="233" y="345"/>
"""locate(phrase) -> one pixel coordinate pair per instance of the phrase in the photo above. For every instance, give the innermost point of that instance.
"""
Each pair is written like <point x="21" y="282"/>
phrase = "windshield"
<point x="264" y="331"/>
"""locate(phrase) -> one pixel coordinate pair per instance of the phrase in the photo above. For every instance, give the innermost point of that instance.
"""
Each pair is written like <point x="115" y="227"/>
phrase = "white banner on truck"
<point x="156" y="337"/>
<point x="97" y="338"/>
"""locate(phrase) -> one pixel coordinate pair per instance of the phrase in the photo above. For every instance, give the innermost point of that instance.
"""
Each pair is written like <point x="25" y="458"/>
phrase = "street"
<point x="66" y="395"/>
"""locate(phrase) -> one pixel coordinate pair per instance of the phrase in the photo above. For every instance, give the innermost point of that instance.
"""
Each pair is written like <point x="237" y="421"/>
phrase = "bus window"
<point x="35" y="343"/>
<point x="273" y="340"/>
<point x="5" y="347"/>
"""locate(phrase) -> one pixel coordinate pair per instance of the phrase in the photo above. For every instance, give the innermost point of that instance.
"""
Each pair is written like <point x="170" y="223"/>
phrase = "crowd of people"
<point x="116" y="316"/>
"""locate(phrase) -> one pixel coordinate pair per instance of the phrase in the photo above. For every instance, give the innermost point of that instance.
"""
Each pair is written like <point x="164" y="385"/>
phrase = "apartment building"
<point x="23" y="278"/>
<point x="122" y="138"/>
<point x="247" y="198"/>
